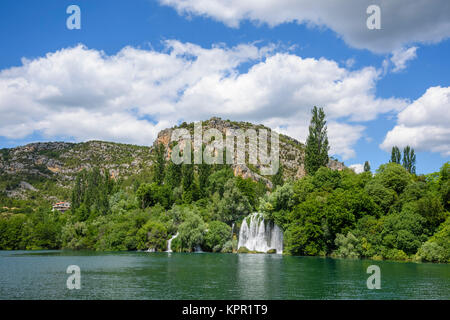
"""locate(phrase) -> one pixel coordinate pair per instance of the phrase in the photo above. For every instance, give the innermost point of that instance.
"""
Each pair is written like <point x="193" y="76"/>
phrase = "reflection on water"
<point x="142" y="275"/>
<point x="259" y="275"/>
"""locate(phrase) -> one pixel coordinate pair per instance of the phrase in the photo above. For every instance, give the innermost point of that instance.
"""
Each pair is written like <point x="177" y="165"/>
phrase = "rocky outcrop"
<point x="60" y="161"/>
<point x="292" y="152"/>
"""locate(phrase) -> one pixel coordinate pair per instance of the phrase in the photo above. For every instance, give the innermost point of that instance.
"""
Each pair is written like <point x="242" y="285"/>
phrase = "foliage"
<point x="409" y="159"/>
<point x="234" y="204"/>
<point x="217" y="236"/>
<point x="394" y="214"/>
<point x="393" y="176"/>
<point x="160" y="163"/>
<point x="347" y="246"/>
<point x="316" y="154"/>
<point x="152" y="235"/>
<point x="396" y="156"/>
<point x="277" y="178"/>
<point x="149" y="194"/>
<point x="191" y="232"/>
<point x="437" y="248"/>
<point x="366" y="166"/>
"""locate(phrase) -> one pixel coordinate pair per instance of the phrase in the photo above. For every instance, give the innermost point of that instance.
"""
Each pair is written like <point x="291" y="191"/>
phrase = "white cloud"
<point x="403" y="22"/>
<point x="401" y="56"/>
<point x="424" y="124"/>
<point x="357" y="167"/>
<point x="84" y="94"/>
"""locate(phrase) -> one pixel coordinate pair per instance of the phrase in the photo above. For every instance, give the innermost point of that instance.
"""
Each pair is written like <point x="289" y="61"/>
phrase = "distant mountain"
<point x="48" y="169"/>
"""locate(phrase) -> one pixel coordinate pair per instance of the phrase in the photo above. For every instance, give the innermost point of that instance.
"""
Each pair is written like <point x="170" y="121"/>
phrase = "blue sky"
<point x="395" y="106"/>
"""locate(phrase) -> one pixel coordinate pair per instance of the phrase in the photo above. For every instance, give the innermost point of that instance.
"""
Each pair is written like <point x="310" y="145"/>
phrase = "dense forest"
<point x="390" y="214"/>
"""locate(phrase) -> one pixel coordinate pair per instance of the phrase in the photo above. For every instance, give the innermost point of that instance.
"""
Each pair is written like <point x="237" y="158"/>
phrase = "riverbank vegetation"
<point x="391" y="214"/>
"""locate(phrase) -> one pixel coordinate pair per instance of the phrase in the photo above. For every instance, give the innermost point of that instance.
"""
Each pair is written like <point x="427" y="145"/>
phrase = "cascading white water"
<point x="198" y="249"/>
<point x="232" y="230"/>
<point x="169" y="243"/>
<point x="260" y="236"/>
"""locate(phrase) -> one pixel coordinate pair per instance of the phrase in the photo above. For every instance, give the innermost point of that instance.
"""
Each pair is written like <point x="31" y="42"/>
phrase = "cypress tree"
<point x="316" y="154"/>
<point x="409" y="159"/>
<point x="395" y="155"/>
<point x="160" y="163"/>
<point x="277" y="178"/>
<point x="204" y="171"/>
<point x="366" y="166"/>
<point x="173" y="175"/>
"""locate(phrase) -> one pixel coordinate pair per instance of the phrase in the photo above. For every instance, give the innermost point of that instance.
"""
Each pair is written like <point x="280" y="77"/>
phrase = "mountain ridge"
<point x="36" y="163"/>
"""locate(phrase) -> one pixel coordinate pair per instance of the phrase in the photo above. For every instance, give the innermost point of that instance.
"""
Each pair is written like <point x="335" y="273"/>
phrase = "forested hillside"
<point x="132" y="198"/>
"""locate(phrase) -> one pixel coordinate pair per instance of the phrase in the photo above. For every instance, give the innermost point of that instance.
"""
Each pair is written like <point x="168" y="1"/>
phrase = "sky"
<point x="137" y="67"/>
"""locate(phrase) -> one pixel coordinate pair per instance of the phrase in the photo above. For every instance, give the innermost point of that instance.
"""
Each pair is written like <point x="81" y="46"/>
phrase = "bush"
<point x="227" y="247"/>
<point x="152" y="235"/>
<point x="191" y="232"/>
<point x="395" y="254"/>
<point x="347" y="246"/>
<point x="234" y="203"/>
<point x="437" y="248"/>
<point x="216" y="237"/>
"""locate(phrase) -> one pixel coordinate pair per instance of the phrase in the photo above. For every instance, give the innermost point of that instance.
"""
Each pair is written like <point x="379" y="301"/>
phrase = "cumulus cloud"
<point x="357" y="167"/>
<point x="402" y="21"/>
<point x="424" y="124"/>
<point x="401" y="57"/>
<point x="79" y="93"/>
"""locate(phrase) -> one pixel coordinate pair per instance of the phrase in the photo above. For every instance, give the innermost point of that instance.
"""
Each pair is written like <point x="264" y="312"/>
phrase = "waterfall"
<point x="259" y="235"/>
<point x="169" y="243"/>
<point x="232" y="230"/>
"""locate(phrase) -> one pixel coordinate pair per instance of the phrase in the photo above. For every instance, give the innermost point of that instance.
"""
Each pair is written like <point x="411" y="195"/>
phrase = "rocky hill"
<point x="292" y="152"/>
<point x="48" y="169"/>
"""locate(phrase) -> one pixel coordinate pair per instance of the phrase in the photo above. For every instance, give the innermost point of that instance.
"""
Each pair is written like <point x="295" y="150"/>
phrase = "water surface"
<point x="142" y="275"/>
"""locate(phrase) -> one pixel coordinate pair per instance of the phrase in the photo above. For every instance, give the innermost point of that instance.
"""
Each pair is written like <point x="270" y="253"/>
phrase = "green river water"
<point x="142" y="275"/>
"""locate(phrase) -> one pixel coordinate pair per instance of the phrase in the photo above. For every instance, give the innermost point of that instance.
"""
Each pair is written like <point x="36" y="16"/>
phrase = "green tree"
<point x="305" y="235"/>
<point x="159" y="163"/>
<point x="149" y="194"/>
<point x="234" y="203"/>
<point x="396" y="156"/>
<point x="393" y="176"/>
<point x="153" y="235"/>
<point x="437" y="248"/>
<point x="173" y="175"/>
<point x="381" y="195"/>
<point x="218" y="179"/>
<point x="316" y="154"/>
<point x="409" y="159"/>
<point x="192" y="232"/>
<point x="366" y="166"/>
<point x="277" y="178"/>
<point x="403" y="231"/>
<point x="204" y="171"/>
<point x="216" y="237"/>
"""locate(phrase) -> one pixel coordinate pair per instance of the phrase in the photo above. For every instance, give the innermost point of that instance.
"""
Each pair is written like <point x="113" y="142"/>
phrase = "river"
<point x="143" y="275"/>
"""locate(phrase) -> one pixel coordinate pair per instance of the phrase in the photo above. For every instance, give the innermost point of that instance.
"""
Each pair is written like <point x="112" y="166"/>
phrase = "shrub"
<point x="216" y="237"/>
